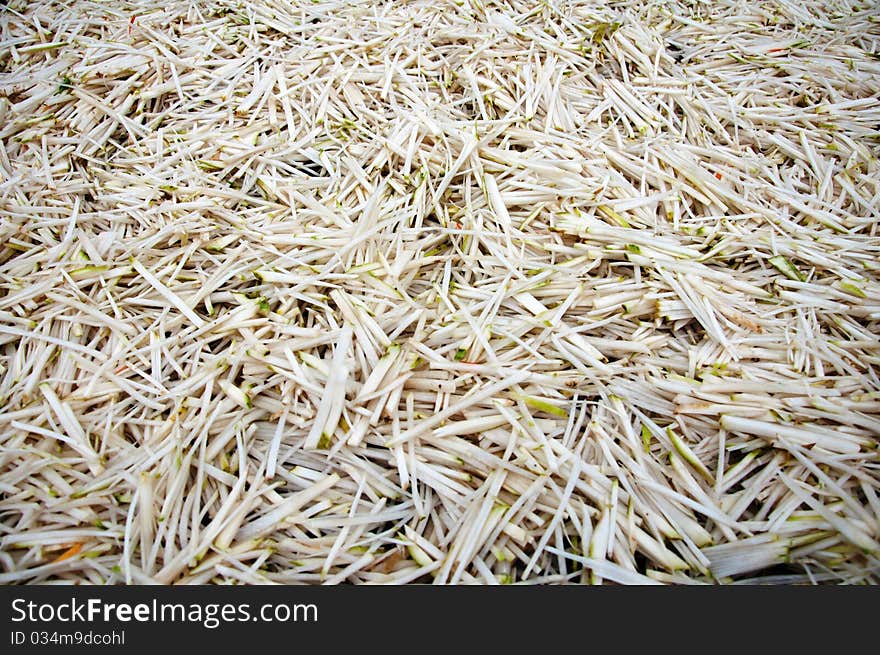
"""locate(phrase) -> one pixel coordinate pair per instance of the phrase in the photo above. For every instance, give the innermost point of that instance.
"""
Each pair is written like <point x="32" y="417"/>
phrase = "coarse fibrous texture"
<point x="439" y="291"/>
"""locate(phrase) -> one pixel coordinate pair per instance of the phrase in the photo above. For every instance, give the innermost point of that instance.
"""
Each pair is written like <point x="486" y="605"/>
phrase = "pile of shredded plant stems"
<point x="442" y="291"/>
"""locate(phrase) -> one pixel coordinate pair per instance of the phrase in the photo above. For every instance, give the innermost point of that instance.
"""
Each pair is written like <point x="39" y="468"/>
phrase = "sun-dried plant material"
<point x="462" y="293"/>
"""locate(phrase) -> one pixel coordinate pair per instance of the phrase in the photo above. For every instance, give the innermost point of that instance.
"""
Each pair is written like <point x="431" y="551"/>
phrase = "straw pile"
<point x="448" y="291"/>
